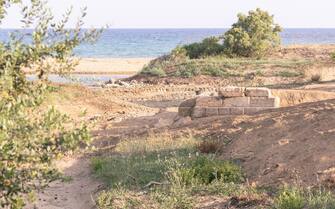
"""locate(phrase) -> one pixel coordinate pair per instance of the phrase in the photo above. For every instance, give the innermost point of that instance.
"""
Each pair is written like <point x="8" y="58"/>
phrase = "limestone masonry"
<point x="231" y="101"/>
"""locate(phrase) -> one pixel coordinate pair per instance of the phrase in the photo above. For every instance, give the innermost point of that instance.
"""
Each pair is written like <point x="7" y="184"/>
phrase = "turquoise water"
<point x="155" y="42"/>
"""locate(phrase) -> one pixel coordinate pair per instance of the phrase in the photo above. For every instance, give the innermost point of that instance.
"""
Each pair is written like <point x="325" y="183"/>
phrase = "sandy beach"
<point x="123" y="66"/>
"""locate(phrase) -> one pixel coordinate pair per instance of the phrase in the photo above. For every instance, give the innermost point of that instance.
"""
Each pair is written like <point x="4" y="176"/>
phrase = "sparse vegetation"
<point x="157" y="71"/>
<point x="171" y="172"/>
<point x="288" y="74"/>
<point x="299" y="198"/>
<point x="290" y="198"/>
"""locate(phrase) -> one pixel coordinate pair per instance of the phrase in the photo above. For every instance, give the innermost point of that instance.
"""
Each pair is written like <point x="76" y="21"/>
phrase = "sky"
<point x="189" y="13"/>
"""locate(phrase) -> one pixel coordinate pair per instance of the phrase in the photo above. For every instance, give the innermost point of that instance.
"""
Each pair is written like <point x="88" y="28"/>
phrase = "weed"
<point x="320" y="199"/>
<point x="290" y="198"/>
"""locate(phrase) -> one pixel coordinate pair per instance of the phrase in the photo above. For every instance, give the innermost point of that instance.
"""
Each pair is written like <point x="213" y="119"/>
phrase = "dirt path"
<point x="78" y="192"/>
<point x="73" y="194"/>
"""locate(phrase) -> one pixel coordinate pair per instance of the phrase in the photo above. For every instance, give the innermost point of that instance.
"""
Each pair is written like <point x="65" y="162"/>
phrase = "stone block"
<point x="208" y="102"/>
<point x="185" y="111"/>
<point x="212" y="112"/>
<point x="264" y="102"/>
<point x="237" y="111"/>
<point x="229" y="92"/>
<point x="188" y="103"/>
<point x="199" y="112"/>
<point x="224" y="111"/>
<point x="253" y="110"/>
<point x="258" y="92"/>
<point x="236" y="102"/>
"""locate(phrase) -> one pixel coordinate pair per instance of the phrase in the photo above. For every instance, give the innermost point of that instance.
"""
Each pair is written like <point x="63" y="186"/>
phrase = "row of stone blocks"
<point x="231" y="101"/>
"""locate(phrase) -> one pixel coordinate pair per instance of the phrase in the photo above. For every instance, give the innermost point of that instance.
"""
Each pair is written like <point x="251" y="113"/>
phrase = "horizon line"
<point x="165" y="28"/>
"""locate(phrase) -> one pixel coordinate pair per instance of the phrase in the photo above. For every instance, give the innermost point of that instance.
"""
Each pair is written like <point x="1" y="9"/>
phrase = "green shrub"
<point x="253" y="35"/>
<point x="207" y="169"/>
<point x="32" y="135"/>
<point x="208" y="47"/>
<point x="155" y="71"/>
<point x="290" y="198"/>
<point x="179" y="54"/>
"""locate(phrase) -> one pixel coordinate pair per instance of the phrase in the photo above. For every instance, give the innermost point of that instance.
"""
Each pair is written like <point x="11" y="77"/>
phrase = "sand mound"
<point x="284" y="145"/>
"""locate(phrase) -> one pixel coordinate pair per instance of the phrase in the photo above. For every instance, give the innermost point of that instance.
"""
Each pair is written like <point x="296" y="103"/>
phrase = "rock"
<point x="264" y="102"/>
<point x="163" y="122"/>
<point x="198" y="112"/>
<point x="257" y="92"/>
<point x="253" y="110"/>
<point x="212" y="111"/>
<point x="208" y="102"/>
<point x="188" y="103"/>
<point x="232" y="101"/>
<point x="185" y="111"/>
<point x="236" y="102"/>
<point x="229" y="92"/>
<point x="122" y="83"/>
<point x="181" y="121"/>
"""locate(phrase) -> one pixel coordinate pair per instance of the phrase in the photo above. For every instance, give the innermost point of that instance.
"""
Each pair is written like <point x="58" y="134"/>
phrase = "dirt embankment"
<point x="292" y="144"/>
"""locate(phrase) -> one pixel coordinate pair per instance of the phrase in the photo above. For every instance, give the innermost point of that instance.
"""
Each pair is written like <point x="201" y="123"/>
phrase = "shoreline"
<point x="115" y="66"/>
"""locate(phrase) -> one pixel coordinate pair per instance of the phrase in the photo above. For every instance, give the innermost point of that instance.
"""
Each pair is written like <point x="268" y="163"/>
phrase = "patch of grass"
<point x="299" y="198"/>
<point x="166" y="172"/>
<point x="290" y="198"/>
<point x="288" y="74"/>
<point x="166" y="169"/>
<point x="320" y="199"/>
<point x="120" y="198"/>
<point x="221" y="66"/>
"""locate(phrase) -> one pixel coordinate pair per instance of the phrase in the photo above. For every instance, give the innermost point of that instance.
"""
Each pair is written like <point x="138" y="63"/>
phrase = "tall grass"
<point x="169" y="171"/>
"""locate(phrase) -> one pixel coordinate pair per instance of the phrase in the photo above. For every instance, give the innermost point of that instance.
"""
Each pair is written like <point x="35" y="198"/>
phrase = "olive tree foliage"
<point x="31" y="135"/>
<point x="253" y="35"/>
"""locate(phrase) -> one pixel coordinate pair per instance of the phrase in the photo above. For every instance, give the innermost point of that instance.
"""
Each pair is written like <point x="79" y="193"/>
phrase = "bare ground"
<point x="290" y="144"/>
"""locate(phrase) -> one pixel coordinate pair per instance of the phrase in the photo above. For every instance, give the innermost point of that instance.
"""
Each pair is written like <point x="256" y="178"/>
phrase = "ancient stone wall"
<point x="231" y="101"/>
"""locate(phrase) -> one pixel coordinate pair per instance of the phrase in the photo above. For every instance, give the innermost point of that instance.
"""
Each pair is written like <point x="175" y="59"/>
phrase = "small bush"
<point x="155" y="71"/>
<point x="179" y="54"/>
<point x="206" y="170"/>
<point x="332" y="55"/>
<point x="208" y="47"/>
<point x="290" y="198"/>
<point x="253" y="35"/>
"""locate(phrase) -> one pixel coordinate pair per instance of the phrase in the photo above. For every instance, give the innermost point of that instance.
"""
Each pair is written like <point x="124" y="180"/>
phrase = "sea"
<point x="136" y="43"/>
